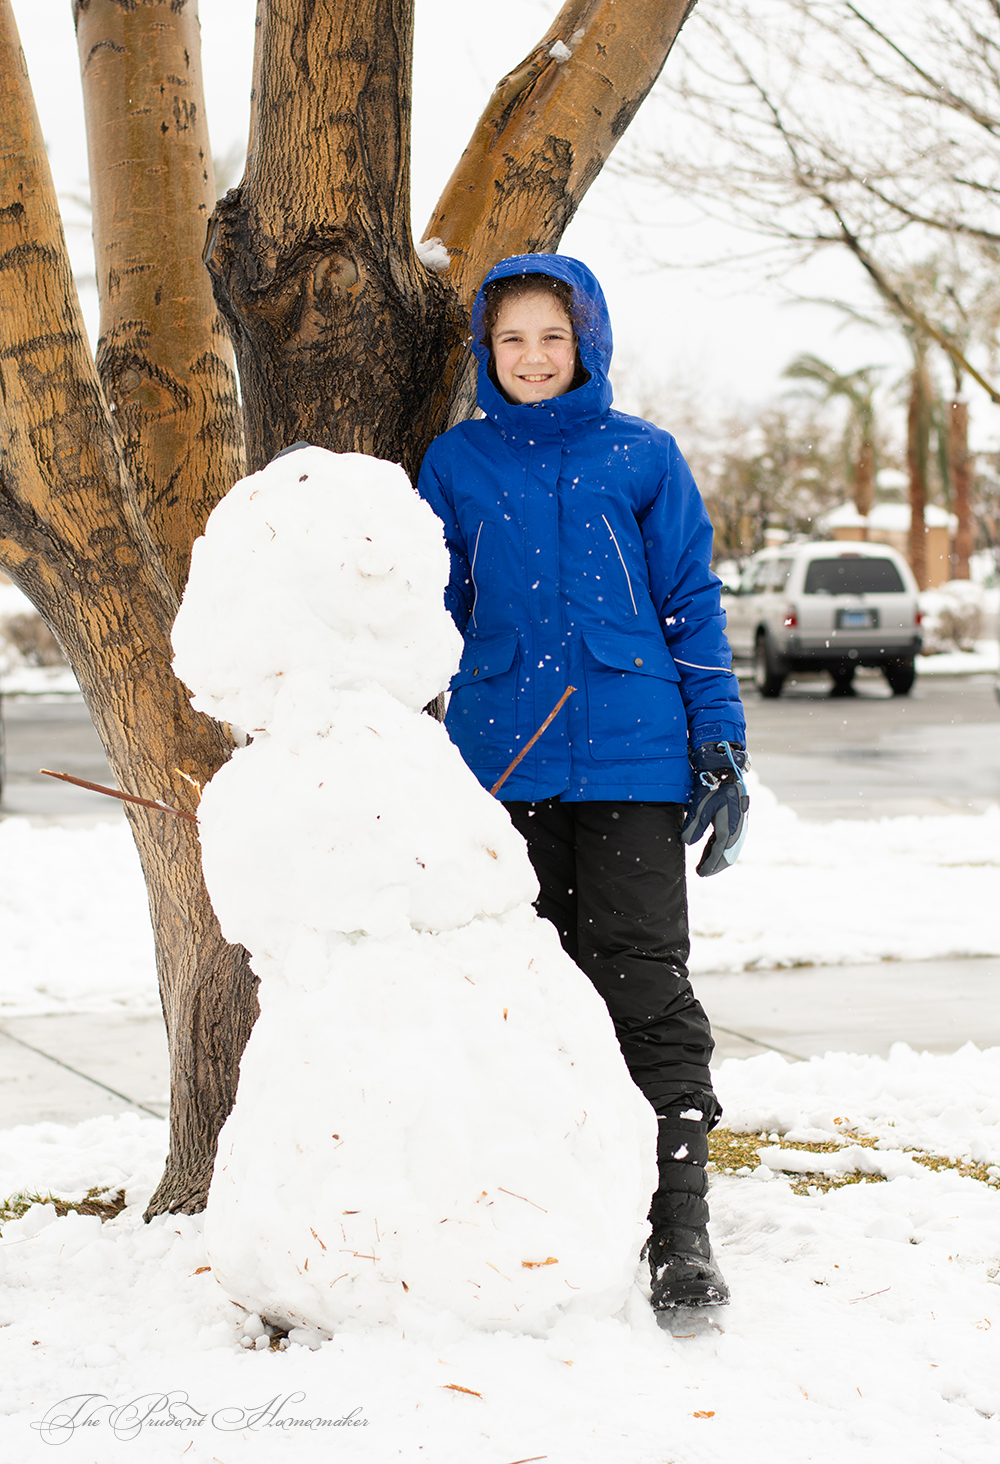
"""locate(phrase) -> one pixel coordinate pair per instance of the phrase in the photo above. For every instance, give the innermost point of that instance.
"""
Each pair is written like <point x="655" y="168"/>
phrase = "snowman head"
<point x="324" y="570"/>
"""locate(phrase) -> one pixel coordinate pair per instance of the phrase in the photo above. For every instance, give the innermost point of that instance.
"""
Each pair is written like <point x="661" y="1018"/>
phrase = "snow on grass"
<point x="74" y="922"/>
<point x="74" y="925"/>
<point x="863" y="1325"/>
<point x="849" y="891"/>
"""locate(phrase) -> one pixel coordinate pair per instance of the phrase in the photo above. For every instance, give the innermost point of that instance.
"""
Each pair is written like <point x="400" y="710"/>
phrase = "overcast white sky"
<point x="732" y="334"/>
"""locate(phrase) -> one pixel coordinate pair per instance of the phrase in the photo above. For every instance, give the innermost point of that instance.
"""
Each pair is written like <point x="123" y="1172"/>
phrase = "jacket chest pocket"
<point x="634" y="706"/>
<point x="619" y="588"/>
<point x="482" y="713"/>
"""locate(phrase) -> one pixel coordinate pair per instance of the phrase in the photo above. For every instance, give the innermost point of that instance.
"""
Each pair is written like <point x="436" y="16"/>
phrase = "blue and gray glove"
<point x="719" y="798"/>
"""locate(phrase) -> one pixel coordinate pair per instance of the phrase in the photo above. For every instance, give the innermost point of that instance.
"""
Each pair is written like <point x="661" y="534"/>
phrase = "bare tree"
<point x="342" y="335"/>
<point x="813" y="125"/>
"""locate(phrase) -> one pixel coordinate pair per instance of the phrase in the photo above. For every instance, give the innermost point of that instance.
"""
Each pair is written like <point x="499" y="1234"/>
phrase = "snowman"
<point x="433" y="1115"/>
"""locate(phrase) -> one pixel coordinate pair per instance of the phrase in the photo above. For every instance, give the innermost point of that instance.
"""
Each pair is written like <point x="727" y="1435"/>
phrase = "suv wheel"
<point x="900" y="676"/>
<point x="768" y="672"/>
<point x="843" y="681"/>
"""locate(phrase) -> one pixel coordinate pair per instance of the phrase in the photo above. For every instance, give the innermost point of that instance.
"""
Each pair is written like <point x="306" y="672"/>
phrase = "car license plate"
<point x="857" y="619"/>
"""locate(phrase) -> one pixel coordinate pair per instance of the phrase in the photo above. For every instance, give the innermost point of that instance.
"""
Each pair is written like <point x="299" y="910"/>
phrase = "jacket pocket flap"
<point x="640" y="655"/>
<point x="484" y="658"/>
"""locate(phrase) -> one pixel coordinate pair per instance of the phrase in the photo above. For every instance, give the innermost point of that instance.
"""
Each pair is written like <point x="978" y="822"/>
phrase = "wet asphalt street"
<point x="867" y="756"/>
<point x="874" y="755"/>
<point x="57" y="735"/>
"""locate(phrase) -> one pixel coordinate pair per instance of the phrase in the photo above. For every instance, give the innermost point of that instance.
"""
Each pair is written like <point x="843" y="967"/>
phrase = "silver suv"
<point x="825" y="607"/>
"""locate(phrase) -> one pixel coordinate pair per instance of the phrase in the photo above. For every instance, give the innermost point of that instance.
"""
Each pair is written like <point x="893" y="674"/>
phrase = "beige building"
<point x="889" y="523"/>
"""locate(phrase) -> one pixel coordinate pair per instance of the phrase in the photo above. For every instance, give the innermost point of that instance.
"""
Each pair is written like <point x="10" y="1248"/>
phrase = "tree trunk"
<point x="864" y="479"/>
<point x="960" y="467"/>
<point x="338" y="328"/>
<point x="917" y="453"/>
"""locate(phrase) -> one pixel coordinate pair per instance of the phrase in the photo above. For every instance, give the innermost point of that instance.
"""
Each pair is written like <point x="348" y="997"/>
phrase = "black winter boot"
<point x="681" y="1264"/>
<point x="683" y="1270"/>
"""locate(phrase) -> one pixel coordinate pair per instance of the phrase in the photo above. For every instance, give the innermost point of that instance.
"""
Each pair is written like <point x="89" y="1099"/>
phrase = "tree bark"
<point x="338" y="328"/>
<point x="163" y="357"/>
<point x="917" y="452"/>
<point x="73" y="538"/>
<point x="961" y="474"/>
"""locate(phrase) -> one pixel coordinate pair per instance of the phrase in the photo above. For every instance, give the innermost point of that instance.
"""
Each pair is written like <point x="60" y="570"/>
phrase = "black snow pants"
<point x="613" y="884"/>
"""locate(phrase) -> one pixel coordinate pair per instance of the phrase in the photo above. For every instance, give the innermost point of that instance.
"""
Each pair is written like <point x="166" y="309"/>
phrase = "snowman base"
<point x="475" y="1164"/>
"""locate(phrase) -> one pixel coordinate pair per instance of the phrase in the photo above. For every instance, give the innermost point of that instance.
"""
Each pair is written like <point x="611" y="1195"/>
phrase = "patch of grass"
<point x="729" y="1152"/>
<point x="961" y="1166"/>
<point x="103" y="1203"/>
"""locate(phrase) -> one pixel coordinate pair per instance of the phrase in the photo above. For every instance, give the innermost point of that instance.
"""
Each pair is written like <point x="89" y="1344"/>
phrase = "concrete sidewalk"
<point x="933" y="1006"/>
<point x="70" y="1067"/>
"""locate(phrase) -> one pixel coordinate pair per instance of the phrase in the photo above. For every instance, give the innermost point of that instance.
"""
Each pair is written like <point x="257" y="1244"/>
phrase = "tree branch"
<point x="929" y="221"/>
<point x="547" y="130"/>
<point x="164" y="357"/>
<point x="59" y="463"/>
<point x="908" y="310"/>
<point x="74" y="538"/>
<point x="331" y="100"/>
<point x="939" y="93"/>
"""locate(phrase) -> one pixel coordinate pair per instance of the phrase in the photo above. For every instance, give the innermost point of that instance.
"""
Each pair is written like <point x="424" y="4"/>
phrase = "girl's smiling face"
<point x="534" y="348"/>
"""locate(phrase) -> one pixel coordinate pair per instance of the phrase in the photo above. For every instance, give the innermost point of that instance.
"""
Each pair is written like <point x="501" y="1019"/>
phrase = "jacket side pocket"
<point x="634" y="706"/>
<point x="482" y="713"/>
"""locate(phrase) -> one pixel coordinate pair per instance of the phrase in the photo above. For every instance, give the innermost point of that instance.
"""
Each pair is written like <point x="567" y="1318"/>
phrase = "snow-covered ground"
<point x="984" y="657"/>
<point x="864" y="1324"/>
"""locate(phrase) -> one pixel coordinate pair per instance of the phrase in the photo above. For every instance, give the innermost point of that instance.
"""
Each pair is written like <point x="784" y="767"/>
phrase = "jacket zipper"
<point x="614" y="541"/>
<point x="475" y="587"/>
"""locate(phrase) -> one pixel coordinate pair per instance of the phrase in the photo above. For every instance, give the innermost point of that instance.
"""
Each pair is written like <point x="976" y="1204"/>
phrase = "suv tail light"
<point x="919" y="618"/>
<point x="790" y="619"/>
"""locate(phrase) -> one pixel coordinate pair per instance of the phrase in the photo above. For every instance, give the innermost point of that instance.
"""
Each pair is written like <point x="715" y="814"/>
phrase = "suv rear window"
<point x="853" y="576"/>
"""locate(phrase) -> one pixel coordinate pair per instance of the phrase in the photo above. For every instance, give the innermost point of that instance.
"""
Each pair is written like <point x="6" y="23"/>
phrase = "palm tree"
<point x="858" y="389"/>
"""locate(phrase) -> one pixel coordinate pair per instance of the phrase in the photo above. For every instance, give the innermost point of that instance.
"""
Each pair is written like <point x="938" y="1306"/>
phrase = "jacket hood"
<point x="593" y="326"/>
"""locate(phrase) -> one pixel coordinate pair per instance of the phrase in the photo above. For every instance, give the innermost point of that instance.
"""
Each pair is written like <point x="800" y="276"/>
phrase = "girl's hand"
<point x="719" y="799"/>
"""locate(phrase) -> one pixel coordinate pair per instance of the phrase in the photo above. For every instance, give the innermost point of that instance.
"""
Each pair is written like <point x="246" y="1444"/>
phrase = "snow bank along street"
<point x="855" y="1198"/>
<point x="74" y="928"/>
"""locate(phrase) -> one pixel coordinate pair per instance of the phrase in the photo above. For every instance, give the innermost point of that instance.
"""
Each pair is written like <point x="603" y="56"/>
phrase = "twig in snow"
<point x="870" y="1294"/>
<point x="524" y="1198"/>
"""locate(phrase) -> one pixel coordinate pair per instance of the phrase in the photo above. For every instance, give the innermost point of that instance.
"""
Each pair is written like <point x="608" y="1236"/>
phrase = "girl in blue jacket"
<point x="580" y="554"/>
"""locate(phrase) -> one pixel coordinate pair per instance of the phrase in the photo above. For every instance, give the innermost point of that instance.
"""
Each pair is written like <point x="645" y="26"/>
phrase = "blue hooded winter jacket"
<point x="580" y="552"/>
